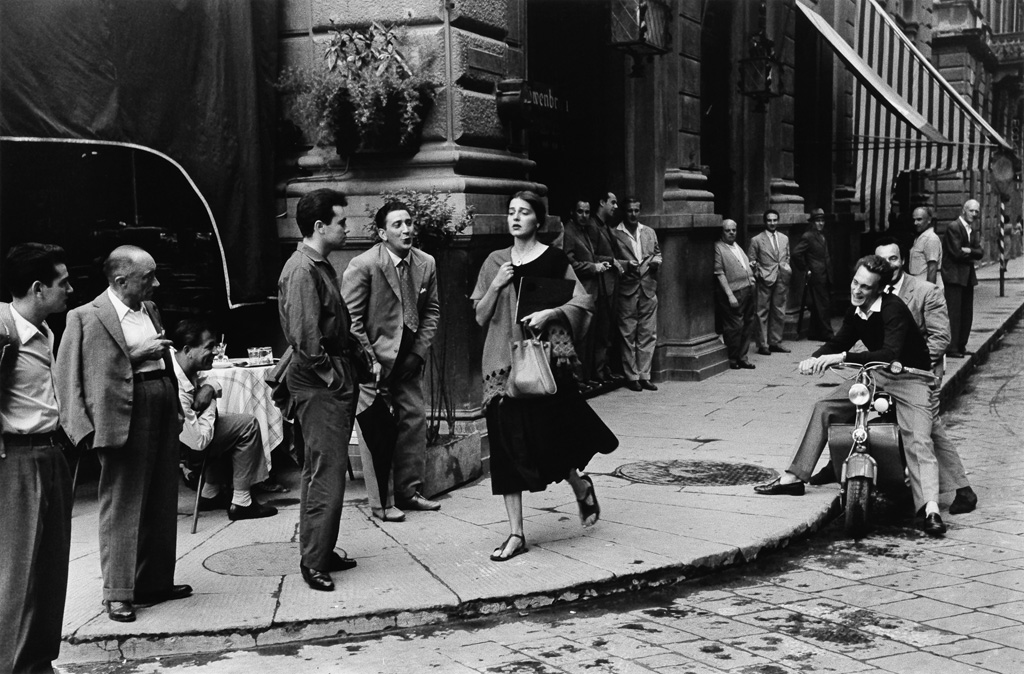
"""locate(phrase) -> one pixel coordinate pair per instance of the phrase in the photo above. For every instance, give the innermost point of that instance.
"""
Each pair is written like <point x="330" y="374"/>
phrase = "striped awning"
<point x="914" y="120"/>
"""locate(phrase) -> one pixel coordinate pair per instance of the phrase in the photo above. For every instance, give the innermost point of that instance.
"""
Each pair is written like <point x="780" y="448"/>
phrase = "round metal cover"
<point x="258" y="559"/>
<point x="695" y="473"/>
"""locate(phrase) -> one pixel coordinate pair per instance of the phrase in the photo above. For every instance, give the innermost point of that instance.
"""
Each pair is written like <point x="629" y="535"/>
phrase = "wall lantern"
<point x="641" y="28"/>
<point x="761" y="71"/>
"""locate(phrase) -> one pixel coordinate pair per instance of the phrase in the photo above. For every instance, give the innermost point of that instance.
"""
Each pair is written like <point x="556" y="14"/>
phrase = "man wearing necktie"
<point x="391" y="293"/>
<point x="769" y="258"/>
<point x="961" y="247"/>
<point x="118" y="395"/>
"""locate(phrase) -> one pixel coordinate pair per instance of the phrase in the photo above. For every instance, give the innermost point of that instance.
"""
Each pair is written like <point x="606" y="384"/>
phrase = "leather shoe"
<point x="827" y="475"/>
<point x="170" y="594"/>
<point x="120" y="611"/>
<point x="933" y="525"/>
<point x="764" y="351"/>
<point x="389" y="514"/>
<point x="317" y="580"/>
<point x="777" y="488"/>
<point x="218" y="502"/>
<point x="418" y="502"/>
<point x="966" y="500"/>
<point x="646" y="385"/>
<point x="746" y="365"/>
<point x="778" y="348"/>
<point x="956" y="354"/>
<point x="734" y="366"/>
<point x="253" y="511"/>
<point x="339" y="563"/>
<point x="634" y="385"/>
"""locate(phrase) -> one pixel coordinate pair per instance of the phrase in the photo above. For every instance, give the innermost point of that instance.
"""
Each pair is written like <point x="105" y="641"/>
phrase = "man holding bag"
<point x="391" y="292"/>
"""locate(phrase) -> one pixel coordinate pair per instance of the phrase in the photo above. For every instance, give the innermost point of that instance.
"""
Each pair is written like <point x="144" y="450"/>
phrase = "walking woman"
<point x="535" y="442"/>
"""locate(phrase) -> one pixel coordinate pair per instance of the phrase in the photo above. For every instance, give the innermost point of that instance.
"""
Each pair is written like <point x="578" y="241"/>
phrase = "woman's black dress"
<point x="535" y="442"/>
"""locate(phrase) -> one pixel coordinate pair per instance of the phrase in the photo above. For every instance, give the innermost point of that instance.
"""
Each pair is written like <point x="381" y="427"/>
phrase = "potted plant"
<point x="437" y="222"/>
<point x="363" y="96"/>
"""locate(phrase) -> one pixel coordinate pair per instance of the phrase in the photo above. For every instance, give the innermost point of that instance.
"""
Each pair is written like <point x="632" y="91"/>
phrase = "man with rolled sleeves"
<point x="734" y="296"/>
<point x="35" y="484"/>
<point x="961" y="247"/>
<point x="319" y="379"/>
<point x="118" y="395"/>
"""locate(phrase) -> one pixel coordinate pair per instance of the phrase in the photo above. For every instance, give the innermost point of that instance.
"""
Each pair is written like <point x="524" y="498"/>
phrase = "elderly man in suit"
<point x="734" y="296"/>
<point x="35" y="484"/>
<point x="391" y="293"/>
<point x="640" y="259"/>
<point x="769" y="258"/>
<point x="118" y="395"/>
<point x="579" y="243"/>
<point x="811" y="256"/>
<point x="961" y="246"/>
<point x="928" y="306"/>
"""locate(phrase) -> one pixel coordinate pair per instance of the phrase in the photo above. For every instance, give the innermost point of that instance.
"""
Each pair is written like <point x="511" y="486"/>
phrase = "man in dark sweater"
<point x="889" y="332"/>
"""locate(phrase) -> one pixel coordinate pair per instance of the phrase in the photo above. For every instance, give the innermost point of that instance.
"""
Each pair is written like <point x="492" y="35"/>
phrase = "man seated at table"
<point x="234" y="435"/>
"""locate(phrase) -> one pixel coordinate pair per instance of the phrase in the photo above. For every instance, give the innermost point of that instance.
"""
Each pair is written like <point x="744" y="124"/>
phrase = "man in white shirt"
<point x="236" y="435"/>
<point x="35" y="484"/>
<point x="640" y="258"/>
<point x="925" y="260"/>
<point x="734" y="297"/>
<point x="961" y="248"/>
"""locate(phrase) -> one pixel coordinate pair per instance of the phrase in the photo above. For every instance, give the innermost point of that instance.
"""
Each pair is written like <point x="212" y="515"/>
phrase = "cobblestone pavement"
<point x="894" y="602"/>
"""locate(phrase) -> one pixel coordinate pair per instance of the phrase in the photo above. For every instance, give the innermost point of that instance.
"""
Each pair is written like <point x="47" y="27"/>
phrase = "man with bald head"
<point x="118" y="395"/>
<point x="961" y="246"/>
<point x="734" y="296"/>
<point x="926" y="253"/>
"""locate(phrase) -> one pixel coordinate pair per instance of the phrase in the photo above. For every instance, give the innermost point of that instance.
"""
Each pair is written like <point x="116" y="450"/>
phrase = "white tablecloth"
<point x="246" y="392"/>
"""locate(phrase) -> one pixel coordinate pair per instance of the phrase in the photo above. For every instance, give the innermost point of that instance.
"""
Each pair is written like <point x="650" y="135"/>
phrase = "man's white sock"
<point x="241" y="498"/>
<point x="209" y="490"/>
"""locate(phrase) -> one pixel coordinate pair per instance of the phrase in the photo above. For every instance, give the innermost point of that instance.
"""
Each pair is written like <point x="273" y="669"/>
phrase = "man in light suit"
<point x="928" y="306"/>
<point x="391" y="293"/>
<point x="769" y="258"/>
<point x="961" y="246"/>
<point x="734" y="296"/>
<point x="640" y="259"/>
<point x="118" y="395"/>
<point x="811" y="256"/>
<point x="579" y="245"/>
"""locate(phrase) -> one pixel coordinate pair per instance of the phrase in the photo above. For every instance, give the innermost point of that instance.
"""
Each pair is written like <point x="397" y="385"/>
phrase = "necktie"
<point x="775" y="244"/>
<point x="409" y="313"/>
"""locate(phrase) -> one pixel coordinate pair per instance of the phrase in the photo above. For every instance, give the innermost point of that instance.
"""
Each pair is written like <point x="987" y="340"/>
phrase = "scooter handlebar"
<point x="894" y="368"/>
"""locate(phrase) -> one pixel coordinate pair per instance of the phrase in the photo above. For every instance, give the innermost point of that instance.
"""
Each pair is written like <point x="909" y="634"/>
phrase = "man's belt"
<point x="52" y="439"/>
<point x="150" y="375"/>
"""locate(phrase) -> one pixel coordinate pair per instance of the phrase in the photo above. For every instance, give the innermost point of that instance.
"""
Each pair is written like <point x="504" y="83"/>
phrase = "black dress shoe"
<point x="746" y="365"/>
<point x="956" y="354"/>
<point x="170" y="594"/>
<point x="646" y="385"/>
<point x="734" y="366"/>
<point x="777" y="488"/>
<point x="218" y="502"/>
<point x="764" y="351"/>
<point x="778" y="348"/>
<point x="827" y="475"/>
<point x="317" y="580"/>
<point x="253" y="511"/>
<point x="120" y="611"/>
<point x="634" y="385"/>
<point x="339" y="563"/>
<point x="418" y="502"/>
<point x="933" y="525"/>
<point x="966" y="501"/>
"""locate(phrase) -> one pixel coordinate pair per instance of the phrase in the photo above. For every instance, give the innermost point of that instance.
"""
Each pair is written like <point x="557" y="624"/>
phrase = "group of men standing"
<point x="618" y="265"/>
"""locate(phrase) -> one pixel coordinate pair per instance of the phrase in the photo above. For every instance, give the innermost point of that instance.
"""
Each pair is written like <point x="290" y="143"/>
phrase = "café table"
<point x="244" y="391"/>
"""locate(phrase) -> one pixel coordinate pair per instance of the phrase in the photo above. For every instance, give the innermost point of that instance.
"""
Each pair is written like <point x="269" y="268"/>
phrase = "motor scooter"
<point x="868" y="454"/>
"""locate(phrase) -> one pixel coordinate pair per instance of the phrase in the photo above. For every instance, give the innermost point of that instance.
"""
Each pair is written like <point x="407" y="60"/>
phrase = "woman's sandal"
<point x="496" y="556"/>
<point x="589" y="510"/>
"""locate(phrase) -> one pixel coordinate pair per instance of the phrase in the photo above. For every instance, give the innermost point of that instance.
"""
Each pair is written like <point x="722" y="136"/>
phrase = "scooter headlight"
<point x="859" y="394"/>
<point x="860" y="435"/>
<point x="881" y="405"/>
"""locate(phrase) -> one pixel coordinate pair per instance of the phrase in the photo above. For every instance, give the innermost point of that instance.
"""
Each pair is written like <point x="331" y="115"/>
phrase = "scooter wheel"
<point x="858" y="506"/>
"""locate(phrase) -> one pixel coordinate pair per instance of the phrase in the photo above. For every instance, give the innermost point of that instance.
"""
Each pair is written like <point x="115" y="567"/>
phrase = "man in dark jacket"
<point x="811" y="255"/>
<point x="889" y="332"/>
<point x="961" y="246"/>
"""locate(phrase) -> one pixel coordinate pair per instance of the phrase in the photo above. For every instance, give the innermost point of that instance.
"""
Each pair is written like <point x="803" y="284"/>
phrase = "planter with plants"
<point x="362" y="96"/>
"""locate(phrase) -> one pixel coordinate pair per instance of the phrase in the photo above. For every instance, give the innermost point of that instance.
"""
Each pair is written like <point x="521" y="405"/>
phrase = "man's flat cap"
<point x="816" y="213"/>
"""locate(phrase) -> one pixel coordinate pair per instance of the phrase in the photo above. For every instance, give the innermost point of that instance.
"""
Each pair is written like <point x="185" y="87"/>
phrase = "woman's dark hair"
<point x="317" y="205"/>
<point x="381" y="216"/>
<point x="536" y="203"/>
<point x="27" y="263"/>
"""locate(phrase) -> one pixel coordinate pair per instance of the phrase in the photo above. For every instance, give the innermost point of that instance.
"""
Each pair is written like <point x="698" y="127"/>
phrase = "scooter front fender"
<point x="860" y="464"/>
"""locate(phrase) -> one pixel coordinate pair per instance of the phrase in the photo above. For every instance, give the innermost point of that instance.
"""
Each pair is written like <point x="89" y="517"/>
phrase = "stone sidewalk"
<point x="676" y="503"/>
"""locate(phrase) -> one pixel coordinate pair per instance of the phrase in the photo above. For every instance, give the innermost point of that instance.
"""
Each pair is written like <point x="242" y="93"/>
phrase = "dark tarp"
<point x="192" y="79"/>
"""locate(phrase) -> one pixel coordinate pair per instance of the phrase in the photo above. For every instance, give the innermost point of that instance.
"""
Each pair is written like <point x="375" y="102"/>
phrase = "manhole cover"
<point x="258" y="559"/>
<point x="695" y="473"/>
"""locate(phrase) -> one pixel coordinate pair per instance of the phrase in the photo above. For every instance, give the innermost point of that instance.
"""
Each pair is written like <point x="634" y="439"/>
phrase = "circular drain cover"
<point x="695" y="473"/>
<point x="258" y="559"/>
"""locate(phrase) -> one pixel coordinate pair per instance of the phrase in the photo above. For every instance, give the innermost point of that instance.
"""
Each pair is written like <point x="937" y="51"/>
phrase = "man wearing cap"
<point x="811" y="254"/>
<point x="961" y="246"/>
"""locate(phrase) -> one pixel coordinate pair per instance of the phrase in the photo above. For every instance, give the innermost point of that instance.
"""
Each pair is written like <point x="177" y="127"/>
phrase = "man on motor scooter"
<point x="888" y="330"/>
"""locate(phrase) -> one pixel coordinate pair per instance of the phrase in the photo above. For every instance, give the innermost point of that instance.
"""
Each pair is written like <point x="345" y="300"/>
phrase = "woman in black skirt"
<point x="537" y="441"/>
